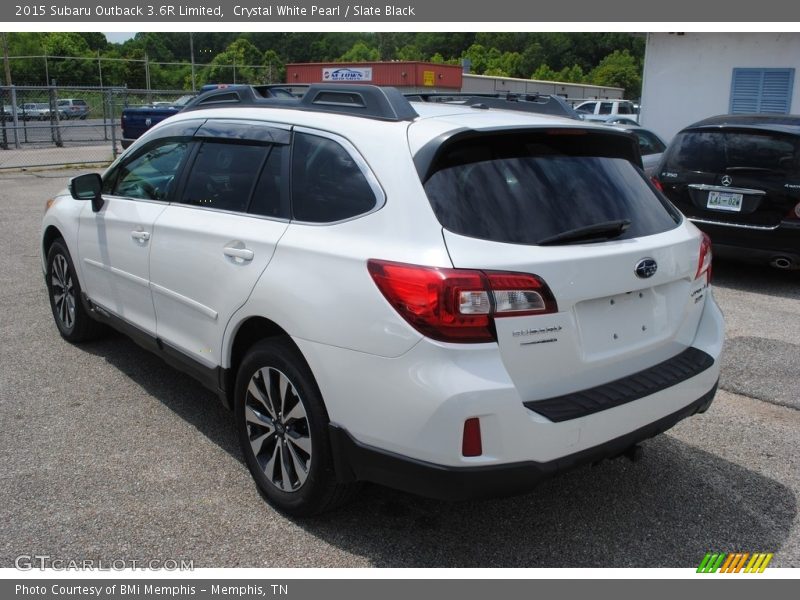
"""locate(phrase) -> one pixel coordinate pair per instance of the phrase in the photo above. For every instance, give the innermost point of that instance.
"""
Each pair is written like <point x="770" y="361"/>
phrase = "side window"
<point x="625" y="109"/>
<point x="587" y="108"/>
<point x="605" y="108"/>
<point x="270" y="197"/>
<point x="223" y="175"/>
<point x="150" y="175"/>
<point x="327" y="184"/>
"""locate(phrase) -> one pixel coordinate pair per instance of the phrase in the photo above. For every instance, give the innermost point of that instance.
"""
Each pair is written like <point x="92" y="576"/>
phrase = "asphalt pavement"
<point x="110" y="454"/>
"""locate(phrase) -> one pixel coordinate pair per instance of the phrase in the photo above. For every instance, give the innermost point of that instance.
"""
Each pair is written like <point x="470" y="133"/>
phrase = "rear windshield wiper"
<point x="606" y="230"/>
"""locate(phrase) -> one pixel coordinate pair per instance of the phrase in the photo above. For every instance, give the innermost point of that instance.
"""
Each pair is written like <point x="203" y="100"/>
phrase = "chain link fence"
<point x="57" y="125"/>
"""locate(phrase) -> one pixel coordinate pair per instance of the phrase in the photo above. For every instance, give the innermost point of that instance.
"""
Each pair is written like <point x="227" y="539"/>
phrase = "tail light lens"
<point x="657" y="183"/>
<point x="704" y="263"/>
<point x="459" y="305"/>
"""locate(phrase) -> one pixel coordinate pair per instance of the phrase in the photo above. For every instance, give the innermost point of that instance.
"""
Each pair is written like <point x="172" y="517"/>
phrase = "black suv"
<point x="737" y="177"/>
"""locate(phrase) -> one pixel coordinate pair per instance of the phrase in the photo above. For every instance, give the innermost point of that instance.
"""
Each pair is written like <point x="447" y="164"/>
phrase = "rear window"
<point x="724" y="151"/>
<point x="649" y="143"/>
<point x="523" y="189"/>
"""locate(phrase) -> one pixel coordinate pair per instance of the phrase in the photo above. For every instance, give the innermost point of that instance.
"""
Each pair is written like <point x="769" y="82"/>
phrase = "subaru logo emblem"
<point x="148" y="121"/>
<point x="645" y="268"/>
<point x="727" y="180"/>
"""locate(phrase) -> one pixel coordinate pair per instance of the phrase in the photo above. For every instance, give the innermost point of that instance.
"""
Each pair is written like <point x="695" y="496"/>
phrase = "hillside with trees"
<point x="163" y="59"/>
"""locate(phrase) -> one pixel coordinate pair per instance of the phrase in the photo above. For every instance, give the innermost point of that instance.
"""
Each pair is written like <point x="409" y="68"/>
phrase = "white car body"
<point x="605" y="109"/>
<point x="174" y="272"/>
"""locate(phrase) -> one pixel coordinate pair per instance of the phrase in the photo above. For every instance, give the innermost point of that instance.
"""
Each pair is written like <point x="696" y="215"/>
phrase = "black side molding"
<point x="217" y="379"/>
<point x="354" y="461"/>
<point x="664" y="375"/>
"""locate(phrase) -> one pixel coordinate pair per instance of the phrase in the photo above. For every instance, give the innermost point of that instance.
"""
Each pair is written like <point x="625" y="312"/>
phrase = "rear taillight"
<point x="794" y="213"/>
<point x="704" y="263"/>
<point x="657" y="183"/>
<point x="459" y="305"/>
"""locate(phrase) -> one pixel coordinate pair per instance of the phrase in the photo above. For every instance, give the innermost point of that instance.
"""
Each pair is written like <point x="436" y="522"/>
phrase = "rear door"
<point x="212" y="245"/>
<point x="732" y="176"/>
<point x="520" y="204"/>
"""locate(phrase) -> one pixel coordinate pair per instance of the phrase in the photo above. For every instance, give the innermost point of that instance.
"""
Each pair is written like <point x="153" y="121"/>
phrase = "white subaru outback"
<point x="453" y="299"/>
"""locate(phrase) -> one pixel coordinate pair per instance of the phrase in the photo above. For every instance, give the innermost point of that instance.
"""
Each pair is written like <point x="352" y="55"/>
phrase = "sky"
<point x="117" y="37"/>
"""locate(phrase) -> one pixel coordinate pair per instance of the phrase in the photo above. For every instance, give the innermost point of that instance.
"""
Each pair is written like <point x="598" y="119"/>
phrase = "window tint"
<point x="605" y="108"/>
<point x="526" y="188"/>
<point x="649" y="142"/>
<point x="270" y="198"/>
<point x="624" y="108"/>
<point x="719" y="152"/>
<point x="150" y="174"/>
<point x="226" y="97"/>
<point x="223" y="175"/>
<point x="587" y="108"/>
<point x="327" y="184"/>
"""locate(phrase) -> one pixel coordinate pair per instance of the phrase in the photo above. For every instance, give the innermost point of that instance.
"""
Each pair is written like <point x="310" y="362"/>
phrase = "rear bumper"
<point x="754" y="244"/>
<point x="357" y="461"/>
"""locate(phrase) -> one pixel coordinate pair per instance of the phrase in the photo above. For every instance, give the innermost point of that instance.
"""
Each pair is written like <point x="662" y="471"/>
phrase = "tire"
<point x="71" y="317"/>
<point x="285" y="443"/>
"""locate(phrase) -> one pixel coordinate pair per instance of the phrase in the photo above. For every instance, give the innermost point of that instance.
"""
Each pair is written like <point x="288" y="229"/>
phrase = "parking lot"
<point x="111" y="454"/>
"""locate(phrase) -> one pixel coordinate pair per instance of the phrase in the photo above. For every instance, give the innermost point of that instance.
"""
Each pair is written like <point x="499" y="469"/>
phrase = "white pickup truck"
<point x="603" y="110"/>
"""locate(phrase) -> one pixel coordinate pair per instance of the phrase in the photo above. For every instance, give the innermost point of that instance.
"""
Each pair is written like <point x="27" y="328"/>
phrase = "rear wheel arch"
<point x="247" y="334"/>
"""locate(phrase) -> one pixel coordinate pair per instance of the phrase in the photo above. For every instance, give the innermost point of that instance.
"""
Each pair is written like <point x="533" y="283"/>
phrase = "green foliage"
<point x="360" y="52"/>
<point x="612" y="59"/>
<point x="619" y="69"/>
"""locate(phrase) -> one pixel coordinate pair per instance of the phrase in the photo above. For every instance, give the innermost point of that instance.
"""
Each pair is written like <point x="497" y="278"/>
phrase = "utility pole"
<point x="6" y="64"/>
<point x="147" y="77"/>
<point x="191" y="51"/>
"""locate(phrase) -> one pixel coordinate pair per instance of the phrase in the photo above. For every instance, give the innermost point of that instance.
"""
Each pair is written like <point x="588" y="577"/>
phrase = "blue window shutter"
<point x="761" y="91"/>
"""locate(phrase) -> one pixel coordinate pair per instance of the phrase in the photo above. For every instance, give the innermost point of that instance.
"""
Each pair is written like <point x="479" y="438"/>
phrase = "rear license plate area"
<point x="727" y="201"/>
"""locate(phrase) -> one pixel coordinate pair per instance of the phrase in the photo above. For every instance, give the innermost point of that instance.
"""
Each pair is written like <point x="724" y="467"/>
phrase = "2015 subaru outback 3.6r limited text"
<point x="451" y="300"/>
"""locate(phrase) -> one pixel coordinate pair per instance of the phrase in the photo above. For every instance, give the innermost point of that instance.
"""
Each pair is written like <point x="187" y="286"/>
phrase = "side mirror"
<point x="88" y="187"/>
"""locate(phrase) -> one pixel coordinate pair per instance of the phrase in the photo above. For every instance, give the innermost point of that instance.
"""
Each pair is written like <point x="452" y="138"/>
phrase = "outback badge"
<point x="645" y="268"/>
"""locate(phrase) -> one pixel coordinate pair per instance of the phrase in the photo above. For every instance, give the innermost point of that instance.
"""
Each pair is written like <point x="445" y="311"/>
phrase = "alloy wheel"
<point x="278" y="429"/>
<point x="63" y="291"/>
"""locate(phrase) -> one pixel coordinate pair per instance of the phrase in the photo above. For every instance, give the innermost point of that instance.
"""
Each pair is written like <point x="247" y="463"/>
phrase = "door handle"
<point x="140" y="236"/>
<point x="240" y="254"/>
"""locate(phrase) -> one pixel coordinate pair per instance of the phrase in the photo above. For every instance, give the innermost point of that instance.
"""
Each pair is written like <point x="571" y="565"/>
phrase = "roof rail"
<point x="548" y="104"/>
<point x="372" y="101"/>
<point x="369" y="101"/>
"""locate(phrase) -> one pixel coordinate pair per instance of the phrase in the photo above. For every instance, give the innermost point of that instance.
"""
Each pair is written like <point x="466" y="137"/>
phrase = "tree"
<point x="619" y="69"/>
<point x="544" y="73"/>
<point x="237" y="64"/>
<point x="360" y="52"/>
<point x="76" y="65"/>
<point x="411" y="52"/>
<point x="274" y="67"/>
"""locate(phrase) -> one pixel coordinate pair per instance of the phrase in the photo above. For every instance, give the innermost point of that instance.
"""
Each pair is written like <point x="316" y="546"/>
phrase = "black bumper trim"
<point x="355" y="461"/>
<point x="664" y="375"/>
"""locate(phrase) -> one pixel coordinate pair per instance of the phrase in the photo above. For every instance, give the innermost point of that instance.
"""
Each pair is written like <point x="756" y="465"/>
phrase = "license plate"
<point x="725" y="201"/>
